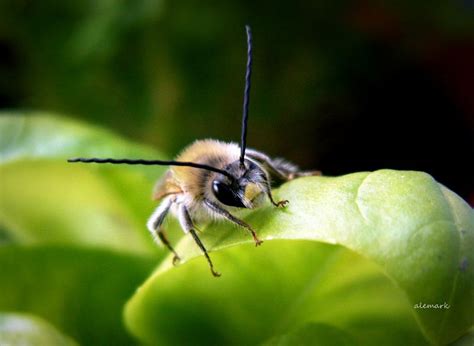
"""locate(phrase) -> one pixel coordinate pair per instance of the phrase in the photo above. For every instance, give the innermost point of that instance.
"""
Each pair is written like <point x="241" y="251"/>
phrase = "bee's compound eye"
<point x="226" y="195"/>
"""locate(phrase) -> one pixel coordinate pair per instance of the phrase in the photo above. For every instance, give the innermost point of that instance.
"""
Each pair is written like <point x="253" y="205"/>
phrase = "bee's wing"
<point x="165" y="186"/>
<point x="279" y="168"/>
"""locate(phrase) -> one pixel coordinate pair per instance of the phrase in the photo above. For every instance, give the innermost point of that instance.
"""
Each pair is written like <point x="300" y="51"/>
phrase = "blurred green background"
<point x="342" y="86"/>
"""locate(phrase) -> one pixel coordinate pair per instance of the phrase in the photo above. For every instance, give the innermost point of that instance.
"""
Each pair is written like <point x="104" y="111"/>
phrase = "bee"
<point x="211" y="179"/>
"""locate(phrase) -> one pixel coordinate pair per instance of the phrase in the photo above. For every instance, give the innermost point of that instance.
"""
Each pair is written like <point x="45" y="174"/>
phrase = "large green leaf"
<point x="24" y="329"/>
<point x="45" y="200"/>
<point x="307" y="335"/>
<point x="465" y="340"/>
<point x="417" y="238"/>
<point x="80" y="291"/>
<point x="268" y="292"/>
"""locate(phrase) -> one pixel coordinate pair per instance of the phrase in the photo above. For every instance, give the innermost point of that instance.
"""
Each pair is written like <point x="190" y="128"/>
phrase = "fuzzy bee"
<point x="210" y="179"/>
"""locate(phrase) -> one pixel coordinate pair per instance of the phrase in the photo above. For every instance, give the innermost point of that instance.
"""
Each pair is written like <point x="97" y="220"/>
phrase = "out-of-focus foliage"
<point x="403" y="239"/>
<point x="44" y="200"/>
<point x="73" y="245"/>
<point x="168" y="72"/>
<point x="22" y="329"/>
<point x="80" y="290"/>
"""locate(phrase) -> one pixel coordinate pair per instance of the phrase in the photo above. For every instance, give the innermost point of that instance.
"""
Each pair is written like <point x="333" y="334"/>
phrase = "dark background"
<point x="340" y="86"/>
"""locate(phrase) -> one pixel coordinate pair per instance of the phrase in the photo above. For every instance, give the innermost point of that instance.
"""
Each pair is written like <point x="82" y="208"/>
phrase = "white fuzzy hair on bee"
<point x="210" y="179"/>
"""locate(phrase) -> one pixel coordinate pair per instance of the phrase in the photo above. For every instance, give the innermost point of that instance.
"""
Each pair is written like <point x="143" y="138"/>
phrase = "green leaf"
<point x="324" y="334"/>
<point x="414" y="233"/>
<point x="465" y="340"/>
<point x="270" y="291"/>
<point x="23" y="329"/>
<point x="45" y="200"/>
<point x="80" y="291"/>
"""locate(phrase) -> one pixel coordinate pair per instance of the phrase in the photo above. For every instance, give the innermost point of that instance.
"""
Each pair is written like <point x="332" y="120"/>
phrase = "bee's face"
<point x="244" y="190"/>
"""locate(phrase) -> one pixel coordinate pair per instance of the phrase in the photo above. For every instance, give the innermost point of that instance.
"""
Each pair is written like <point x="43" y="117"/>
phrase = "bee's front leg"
<point x="219" y="210"/>
<point x="187" y="224"/>
<point x="156" y="220"/>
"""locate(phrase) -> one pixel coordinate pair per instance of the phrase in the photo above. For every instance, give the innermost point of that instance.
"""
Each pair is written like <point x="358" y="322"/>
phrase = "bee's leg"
<point x="154" y="225"/>
<point x="187" y="225"/>
<point x="278" y="168"/>
<point x="218" y="210"/>
<point x="268" y="191"/>
<point x="267" y="187"/>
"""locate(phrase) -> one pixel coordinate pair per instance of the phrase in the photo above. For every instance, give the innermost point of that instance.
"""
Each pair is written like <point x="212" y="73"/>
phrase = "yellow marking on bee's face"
<point x="251" y="191"/>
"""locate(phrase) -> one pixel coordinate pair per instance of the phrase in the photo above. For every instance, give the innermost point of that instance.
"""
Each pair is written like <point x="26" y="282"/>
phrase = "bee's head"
<point x="245" y="190"/>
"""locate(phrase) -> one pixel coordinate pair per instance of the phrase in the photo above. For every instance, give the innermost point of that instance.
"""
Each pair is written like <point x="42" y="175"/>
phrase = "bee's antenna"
<point x="152" y="162"/>
<point x="245" y="115"/>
